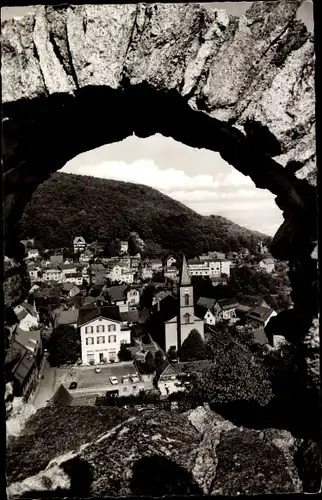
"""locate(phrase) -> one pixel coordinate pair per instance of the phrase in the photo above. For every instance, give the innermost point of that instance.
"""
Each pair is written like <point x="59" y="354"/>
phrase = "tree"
<point x="172" y="353"/>
<point x="158" y="358"/>
<point x="124" y="353"/>
<point x="233" y="375"/>
<point x="64" y="346"/>
<point x="133" y="247"/>
<point x="193" y="348"/>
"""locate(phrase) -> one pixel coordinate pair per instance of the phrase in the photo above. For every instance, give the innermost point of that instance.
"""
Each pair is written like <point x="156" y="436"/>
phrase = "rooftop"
<point x="261" y="314"/>
<point x="228" y="303"/>
<point x="90" y="313"/>
<point x="206" y="302"/>
<point x="68" y="317"/>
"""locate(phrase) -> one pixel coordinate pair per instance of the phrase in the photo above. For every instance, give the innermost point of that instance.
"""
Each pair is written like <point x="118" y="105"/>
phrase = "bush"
<point x="124" y="354"/>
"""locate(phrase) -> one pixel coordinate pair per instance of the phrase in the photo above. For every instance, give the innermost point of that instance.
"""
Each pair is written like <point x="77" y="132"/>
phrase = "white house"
<point x="101" y="334"/>
<point x="267" y="265"/>
<point x="79" y="244"/>
<point x="156" y="265"/>
<point x="76" y="278"/>
<point x="34" y="273"/>
<point x="225" y="309"/>
<point x="170" y="261"/>
<point x="171" y="273"/>
<point x="67" y="269"/>
<point x="146" y="271"/>
<point x="52" y="274"/>
<point x="205" y="314"/>
<point x="27" y="316"/>
<point x="86" y="256"/>
<point x="124" y="246"/>
<point x="211" y="268"/>
<point x="133" y="298"/>
<point x="33" y="253"/>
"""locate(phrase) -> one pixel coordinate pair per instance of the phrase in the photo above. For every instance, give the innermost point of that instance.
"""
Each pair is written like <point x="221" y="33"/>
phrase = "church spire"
<point x="185" y="277"/>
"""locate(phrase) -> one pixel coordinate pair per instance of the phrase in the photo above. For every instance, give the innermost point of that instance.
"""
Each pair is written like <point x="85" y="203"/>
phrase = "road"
<point x="46" y="387"/>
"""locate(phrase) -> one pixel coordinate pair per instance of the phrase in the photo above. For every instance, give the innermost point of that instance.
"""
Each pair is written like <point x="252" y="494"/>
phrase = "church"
<point x="174" y="318"/>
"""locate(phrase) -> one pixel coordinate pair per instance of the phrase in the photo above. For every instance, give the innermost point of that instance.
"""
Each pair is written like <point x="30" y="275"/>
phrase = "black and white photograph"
<point x="160" y="249"/>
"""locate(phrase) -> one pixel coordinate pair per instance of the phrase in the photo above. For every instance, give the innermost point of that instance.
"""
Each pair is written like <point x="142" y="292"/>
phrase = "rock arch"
<point x="77" y="77"/>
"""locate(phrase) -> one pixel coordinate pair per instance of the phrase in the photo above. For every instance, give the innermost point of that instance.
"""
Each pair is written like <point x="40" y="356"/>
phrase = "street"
<point x="46" y="387"/>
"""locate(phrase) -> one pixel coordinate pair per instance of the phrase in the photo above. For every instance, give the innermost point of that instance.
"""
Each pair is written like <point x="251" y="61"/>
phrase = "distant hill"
<point x="99" y="209"/>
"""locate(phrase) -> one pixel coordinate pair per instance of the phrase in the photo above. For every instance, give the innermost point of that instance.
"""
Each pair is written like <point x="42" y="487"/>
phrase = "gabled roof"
<point x="201" y="311"/>
<point x="260" y="336"/>
<point x="61" y="397"/>
<point x="79" y="239"/>
<point x="184" y="275"/>
<point x="117" y="292"/>
<point x="29" y="339"/>
<point x="130" y="316"/>
<point x="260" y="313"/>
<point x="87" y="314"/>
<point x="206" y="302"/>
<point x="252" y="301"/>
<point x="194" y="261"/>
<point x="68" y="317"/>
<point x="229" y="303"/>
<point x="65" y="267"/>
<point x="67" y="286"/>
<point x="169" y="370"/>
<point x="24" y="366"/>
<point x="20" y="312"/>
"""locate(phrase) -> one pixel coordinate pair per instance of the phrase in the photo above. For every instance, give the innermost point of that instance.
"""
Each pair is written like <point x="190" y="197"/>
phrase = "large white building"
<point x="211" y="268"/>
<point x="102" y="332"/>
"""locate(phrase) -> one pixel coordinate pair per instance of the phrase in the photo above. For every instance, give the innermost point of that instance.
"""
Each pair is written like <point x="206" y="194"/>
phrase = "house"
<point x="205" y="314"/>
<point x="118" y="296"/>
<point x="67" y="268"/>
<point x="79" y="244"/>
<point x="127" y="277"/>
<point x="170" y="261"/>
<point x="33" y="253"/>
<point x="174" y="318"/>
<point x="28" y="347"/>
<point x="26" y="315"/>
<point x="76" y="278"/>
<point x="211" y="268"/>
<point x="55" y="260"/>
<point x="34" y="273"/>
<point x="206" y="303"/>
<point x="124" y="246"/>
<point x="135" y="263"/>
<point x="260" y="337"/>
<point x="218" y="280"/>
<point x="259" y="316"/>
<point x="249" y="302"/>
<point x="75" y="290"/>
<point x="146" y="270"/>
<point x="86" y="256"/>
<point x="52" y="274"/>
<point x="225" y="309"/>
<point x="129" y="317"/>
<point x="160" y="296"/>
<point x="97" y="273"/>
<point x="101" y="333"/>
<point x="171" y="273"/>
<point x="156" y="265"/>
<point x="267" y="265"/>
<point x="168" y="380"/>
<point x="133" y="297"/>
<point x="67" y="317"/>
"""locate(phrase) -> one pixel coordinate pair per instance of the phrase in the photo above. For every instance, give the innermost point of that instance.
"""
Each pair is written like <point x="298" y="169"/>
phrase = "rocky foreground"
<point x="149" y="453"/>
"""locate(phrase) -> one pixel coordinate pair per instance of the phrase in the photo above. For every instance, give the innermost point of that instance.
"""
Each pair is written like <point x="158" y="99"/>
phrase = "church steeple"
<point x="185" y="276"/>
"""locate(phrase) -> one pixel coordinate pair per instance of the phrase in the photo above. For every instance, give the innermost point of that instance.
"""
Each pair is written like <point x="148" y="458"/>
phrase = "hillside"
<point x="67" y="204"/>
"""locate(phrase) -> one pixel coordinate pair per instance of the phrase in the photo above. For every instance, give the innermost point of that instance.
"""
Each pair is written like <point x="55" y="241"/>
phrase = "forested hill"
<point x="67" y="205"/>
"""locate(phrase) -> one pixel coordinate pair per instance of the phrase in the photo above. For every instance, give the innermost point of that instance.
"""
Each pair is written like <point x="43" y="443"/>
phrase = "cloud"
<point x="145" y="171"/>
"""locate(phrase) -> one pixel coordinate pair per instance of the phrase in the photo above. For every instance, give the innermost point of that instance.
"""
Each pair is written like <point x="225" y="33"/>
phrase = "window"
<point x="88" y="329"/>
<point x="123" y="341"/>
<point x="90" y="357"/>
<point x="101" y="340"/>
<point x="90" y="340"/>
<point x="187" y="318"/>
<point x="112" y="328"/>
<point x="112" y="338"/>
<point x="186" y="299"/>
<point x="100" y="329"/>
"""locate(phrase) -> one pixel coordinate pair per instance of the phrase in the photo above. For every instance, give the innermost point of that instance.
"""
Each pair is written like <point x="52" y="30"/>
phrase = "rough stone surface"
<point x="200" y="451"/>
<point x="234" y="69"/>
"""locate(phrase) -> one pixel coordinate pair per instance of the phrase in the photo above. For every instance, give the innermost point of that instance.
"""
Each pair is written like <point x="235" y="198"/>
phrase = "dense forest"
<point x="67" y="205"/>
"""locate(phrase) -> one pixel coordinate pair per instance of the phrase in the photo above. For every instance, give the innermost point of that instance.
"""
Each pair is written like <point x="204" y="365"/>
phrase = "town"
<point x="96" y="327"/>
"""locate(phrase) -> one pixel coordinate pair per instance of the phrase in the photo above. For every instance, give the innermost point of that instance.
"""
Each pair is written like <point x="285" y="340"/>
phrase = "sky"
<point x="200" y="179"/>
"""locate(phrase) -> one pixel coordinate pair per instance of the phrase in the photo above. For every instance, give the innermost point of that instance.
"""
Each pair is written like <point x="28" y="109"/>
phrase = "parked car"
<point x="97" y="370"/>
<point x="113" y="380"/>
<point x="134" y="378"/>
<point x="73" y="385"/>
<point x="125" y="380"/>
